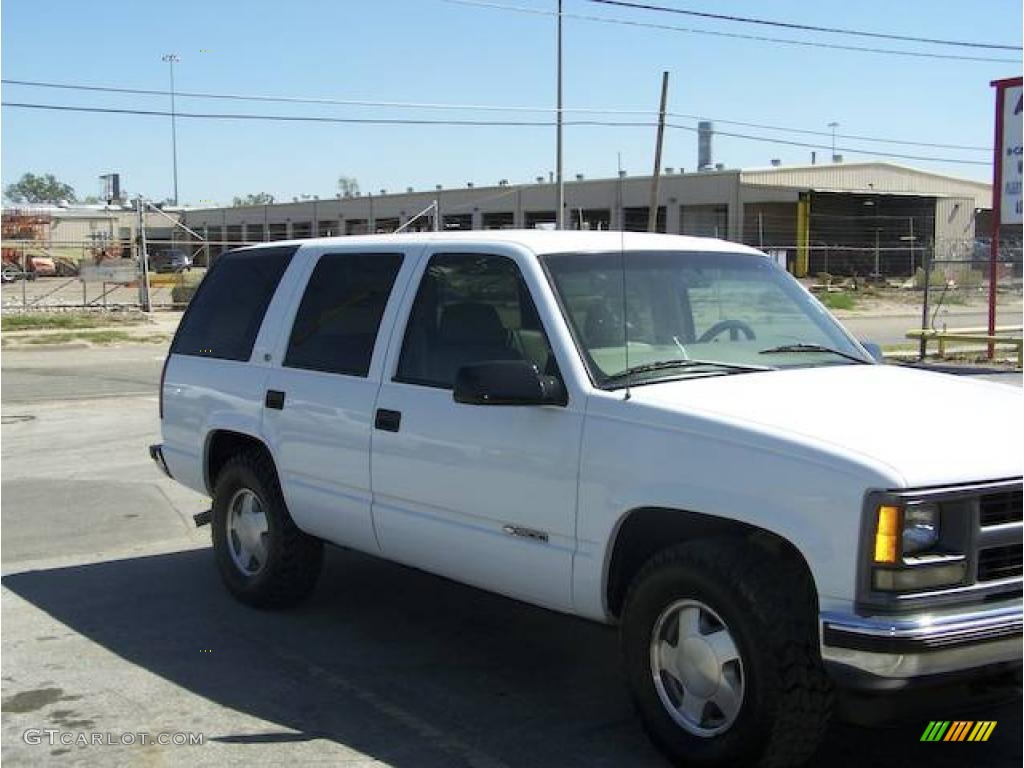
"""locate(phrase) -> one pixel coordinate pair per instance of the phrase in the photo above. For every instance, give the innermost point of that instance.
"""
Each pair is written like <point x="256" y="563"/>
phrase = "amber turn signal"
<point x="887" y="532"/>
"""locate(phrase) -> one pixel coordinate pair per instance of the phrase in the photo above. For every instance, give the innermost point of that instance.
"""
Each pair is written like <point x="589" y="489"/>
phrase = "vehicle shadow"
<point x="407" y="668"/>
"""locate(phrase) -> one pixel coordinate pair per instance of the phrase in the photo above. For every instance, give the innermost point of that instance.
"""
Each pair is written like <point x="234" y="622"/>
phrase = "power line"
<point x="733" y="35"/>
<point x="308" y="118"/>
<point x="472" y="107"/>
<point x="474" y="123"/>
<point x="809" y="132"/>
<point x="803" y="27"/>
<point x="852" y="150"/>
<point x="297" y="99"/>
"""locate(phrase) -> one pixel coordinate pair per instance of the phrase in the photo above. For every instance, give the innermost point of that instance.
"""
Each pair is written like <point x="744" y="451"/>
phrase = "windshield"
<point x="735" y="310"/>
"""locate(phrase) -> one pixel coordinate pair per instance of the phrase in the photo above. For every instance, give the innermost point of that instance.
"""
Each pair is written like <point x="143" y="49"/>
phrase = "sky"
<point x="437" y="51"/>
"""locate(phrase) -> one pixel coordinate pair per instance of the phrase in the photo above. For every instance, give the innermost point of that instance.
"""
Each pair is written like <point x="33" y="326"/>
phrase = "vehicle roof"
<point x="537" y="240"/>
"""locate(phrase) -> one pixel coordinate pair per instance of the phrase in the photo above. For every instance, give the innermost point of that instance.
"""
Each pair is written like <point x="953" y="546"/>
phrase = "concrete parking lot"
<point x="114" y="622"/>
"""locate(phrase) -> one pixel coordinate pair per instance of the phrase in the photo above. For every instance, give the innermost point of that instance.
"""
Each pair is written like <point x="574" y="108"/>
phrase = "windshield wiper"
<point x="665" y="365"/>
<point x="788" y="348"/>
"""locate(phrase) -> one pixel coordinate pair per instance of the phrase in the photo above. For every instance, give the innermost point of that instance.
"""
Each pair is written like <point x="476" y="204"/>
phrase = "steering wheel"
<point x="734" y="327"/>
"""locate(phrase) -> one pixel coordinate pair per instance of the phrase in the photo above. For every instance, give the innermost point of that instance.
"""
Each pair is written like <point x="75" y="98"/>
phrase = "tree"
<point x="39" y="189"/>
<point x="261" y="198"/>
<point x="348" y="186"/>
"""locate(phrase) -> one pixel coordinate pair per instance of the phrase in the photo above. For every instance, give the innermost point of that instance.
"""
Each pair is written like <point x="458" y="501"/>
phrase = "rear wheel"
<point x="263" y="558"/>
<point x="720" y="648"/>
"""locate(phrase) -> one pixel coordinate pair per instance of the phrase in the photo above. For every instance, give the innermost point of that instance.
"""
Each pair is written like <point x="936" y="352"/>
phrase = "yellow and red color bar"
<point x="958" y="730"/>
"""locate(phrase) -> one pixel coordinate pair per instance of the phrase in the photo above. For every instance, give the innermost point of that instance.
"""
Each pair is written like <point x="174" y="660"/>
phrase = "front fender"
<point x="809" y="498"/>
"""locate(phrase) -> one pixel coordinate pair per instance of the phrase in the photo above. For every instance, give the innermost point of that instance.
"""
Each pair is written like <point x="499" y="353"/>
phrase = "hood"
<point x="928" y="428"/>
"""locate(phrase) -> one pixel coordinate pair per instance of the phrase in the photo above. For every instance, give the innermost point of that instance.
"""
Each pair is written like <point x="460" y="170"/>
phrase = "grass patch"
<point x="93" y="337"/>
<point x="71" y="320"/>
<point x="837" y="300"/>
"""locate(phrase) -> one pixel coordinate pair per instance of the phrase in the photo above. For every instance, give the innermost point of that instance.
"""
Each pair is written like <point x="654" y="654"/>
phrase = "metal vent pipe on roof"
<point x="705" y="156"/>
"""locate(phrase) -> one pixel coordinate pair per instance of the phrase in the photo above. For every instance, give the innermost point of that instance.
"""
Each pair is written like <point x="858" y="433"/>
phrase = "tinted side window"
<point x="226" y="313"/>
<point x="470" y="308"/>
<point x="337" y="322"/>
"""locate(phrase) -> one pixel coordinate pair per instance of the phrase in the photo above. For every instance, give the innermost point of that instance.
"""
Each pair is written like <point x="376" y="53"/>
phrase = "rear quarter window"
<point x="228" y="308"/>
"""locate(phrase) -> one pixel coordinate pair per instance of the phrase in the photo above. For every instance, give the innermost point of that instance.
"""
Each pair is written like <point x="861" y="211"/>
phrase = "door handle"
<point x="275" y="399"/>
<point x="388" y="421"/>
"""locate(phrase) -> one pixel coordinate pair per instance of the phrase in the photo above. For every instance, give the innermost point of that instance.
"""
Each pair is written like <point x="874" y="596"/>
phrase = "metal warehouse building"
<point x="72" y="224"/>
<point x="842" y="218"/>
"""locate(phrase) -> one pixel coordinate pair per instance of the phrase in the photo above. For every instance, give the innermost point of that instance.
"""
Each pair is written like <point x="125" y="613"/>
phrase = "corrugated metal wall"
<point x="871" y="177"/>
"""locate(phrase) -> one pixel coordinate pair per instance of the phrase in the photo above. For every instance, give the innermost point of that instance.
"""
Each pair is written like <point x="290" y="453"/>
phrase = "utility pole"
<point x="172" y="59"/>
<point x="560" y="215"/>
<point x="652" y="211"/>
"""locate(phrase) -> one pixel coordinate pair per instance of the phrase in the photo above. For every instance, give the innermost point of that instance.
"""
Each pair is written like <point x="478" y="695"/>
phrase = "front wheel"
<point x="720" y="649"/>
<point x="263" y="558"/>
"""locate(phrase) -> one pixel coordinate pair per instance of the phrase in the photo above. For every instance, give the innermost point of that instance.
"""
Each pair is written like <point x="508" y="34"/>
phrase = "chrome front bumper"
<point x="901" y="648"/>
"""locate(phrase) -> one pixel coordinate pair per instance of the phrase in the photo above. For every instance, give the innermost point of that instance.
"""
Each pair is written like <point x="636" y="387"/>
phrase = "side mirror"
<point x="507" y="382"/>
<point x="874" y="350"/>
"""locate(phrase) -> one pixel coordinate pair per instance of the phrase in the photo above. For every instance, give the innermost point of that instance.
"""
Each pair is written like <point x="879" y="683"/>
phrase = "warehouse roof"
<point x="869" y="177"/>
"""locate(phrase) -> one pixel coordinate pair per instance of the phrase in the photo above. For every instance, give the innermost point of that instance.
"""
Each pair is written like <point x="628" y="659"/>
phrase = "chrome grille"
<point x="1001" y="508"/>
<point x="999" y="563"/>
<point x="999" y="552"/>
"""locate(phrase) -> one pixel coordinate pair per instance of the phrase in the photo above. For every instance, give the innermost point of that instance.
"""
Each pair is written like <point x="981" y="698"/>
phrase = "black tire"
<point x="294" y="559"/>
<point x="769" y="608"/>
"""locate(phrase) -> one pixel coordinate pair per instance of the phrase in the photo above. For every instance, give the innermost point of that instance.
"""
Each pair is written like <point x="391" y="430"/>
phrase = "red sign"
<point x="1006" y="176"/>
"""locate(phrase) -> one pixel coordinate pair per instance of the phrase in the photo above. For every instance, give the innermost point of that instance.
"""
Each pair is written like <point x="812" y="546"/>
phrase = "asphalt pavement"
<point x="892" y="329"/>
<point x="79" y="372"/>
<point x="114" y="622"/>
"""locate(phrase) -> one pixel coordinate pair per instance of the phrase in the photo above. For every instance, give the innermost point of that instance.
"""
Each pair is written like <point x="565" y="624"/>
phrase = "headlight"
<point x="917" y="545"/>
<point x="920" y="528"/>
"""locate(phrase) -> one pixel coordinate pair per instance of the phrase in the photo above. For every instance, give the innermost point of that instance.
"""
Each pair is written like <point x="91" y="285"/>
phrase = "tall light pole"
<point x="560" y="215"/>
<point x="833" y="125"/>
<point x="172" y="59"/>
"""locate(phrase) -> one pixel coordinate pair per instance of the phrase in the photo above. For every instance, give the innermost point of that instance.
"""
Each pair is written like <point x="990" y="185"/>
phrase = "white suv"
<point x="664" y="433"/>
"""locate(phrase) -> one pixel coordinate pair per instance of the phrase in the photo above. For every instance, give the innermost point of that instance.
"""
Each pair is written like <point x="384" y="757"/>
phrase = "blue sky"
<point x="433" y="51"/>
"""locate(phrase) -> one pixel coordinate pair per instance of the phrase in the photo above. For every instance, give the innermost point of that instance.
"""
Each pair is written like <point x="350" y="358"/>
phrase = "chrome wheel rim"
<point x="247" y="532"/>
<point x="697" y="668"/>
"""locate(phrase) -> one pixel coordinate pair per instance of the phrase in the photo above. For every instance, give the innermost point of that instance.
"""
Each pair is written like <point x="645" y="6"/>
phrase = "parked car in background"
<point x="42" y="266"/>
<point x="170" y="261"/>
<point x="35" y="266"/>
<point x="666" y="434"/>
<point x="9" y="273"/>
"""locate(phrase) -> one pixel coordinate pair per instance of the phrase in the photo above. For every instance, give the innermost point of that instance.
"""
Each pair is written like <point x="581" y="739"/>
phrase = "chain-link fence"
<point x="90" y="274"/>
<point x="935" y="285"/>
<point x="955" y="310"/>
